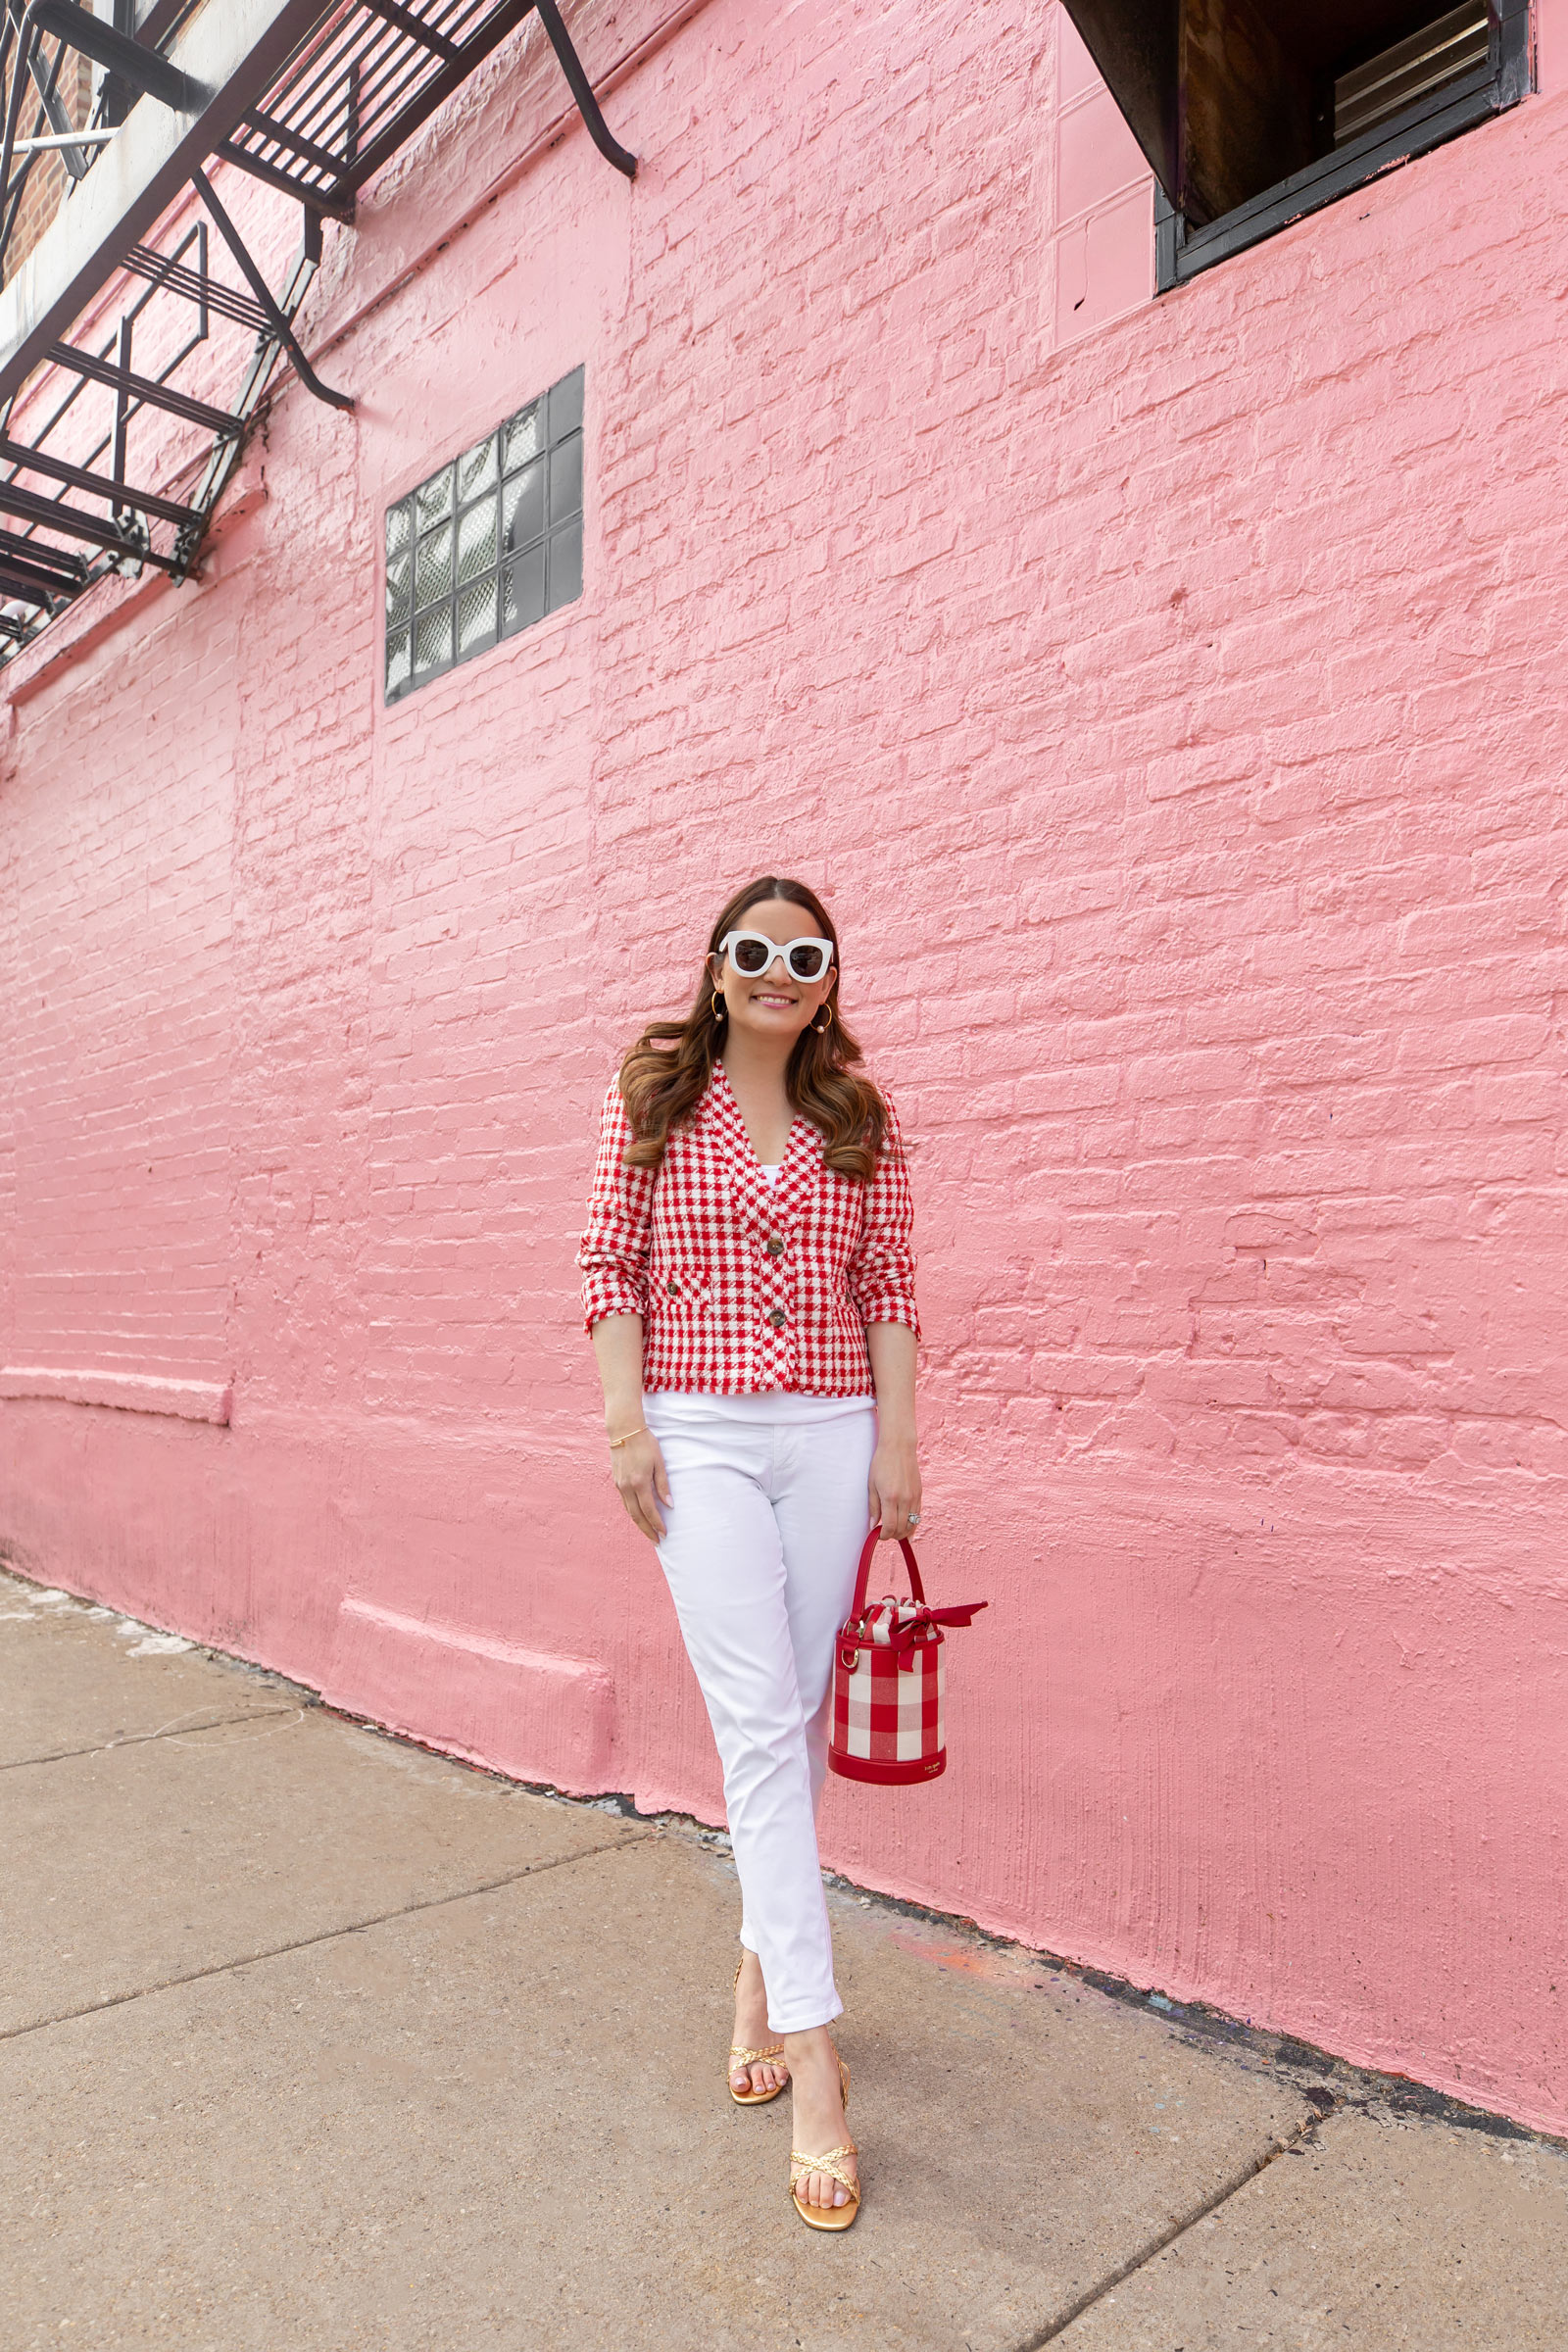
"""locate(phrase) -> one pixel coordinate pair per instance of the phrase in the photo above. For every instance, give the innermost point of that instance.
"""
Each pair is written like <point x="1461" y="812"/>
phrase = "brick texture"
<point x="1168" y="696"/>
<point x="48" y="179"/>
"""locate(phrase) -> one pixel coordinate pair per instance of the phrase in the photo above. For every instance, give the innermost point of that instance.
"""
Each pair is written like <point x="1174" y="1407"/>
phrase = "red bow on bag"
<point x="888" y="1680"/>
<point x="911" y="1622"/>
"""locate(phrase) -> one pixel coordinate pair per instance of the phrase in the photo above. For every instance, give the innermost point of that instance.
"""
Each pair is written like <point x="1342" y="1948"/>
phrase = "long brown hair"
<point x="669" y="1068"/>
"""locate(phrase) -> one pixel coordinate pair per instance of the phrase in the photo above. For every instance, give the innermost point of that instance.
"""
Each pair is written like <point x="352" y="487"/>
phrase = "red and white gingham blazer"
<point x="741" y="1287"/>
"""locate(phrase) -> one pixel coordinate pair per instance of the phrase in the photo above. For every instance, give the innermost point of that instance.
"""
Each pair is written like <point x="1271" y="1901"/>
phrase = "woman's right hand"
<point x="641" y="1482"/>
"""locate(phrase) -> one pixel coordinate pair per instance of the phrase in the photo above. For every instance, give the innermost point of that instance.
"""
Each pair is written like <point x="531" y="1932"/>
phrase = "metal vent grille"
<point x="1441" y="52"/>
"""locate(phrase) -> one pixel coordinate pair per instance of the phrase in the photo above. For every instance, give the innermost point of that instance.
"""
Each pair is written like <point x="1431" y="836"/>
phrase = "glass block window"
<point x="489" y="544"/>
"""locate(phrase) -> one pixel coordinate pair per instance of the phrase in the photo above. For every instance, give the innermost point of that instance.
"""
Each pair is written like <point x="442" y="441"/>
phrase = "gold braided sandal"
<point x="740" y="2057"/>
<point x="827" y="2217"/>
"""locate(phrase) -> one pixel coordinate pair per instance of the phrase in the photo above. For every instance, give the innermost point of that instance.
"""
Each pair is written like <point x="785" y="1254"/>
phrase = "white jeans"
<point x="763" y="1533"/>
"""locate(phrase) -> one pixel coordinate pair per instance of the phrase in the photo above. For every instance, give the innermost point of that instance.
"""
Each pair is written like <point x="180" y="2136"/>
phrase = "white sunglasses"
<point x="752" y="951"/>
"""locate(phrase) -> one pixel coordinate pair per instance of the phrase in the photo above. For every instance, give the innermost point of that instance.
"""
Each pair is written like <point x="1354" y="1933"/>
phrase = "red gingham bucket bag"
<point x="887" y="1681"/>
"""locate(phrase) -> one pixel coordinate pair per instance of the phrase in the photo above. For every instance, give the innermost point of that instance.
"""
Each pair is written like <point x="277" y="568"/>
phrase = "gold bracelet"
<point x="627" y="1439"/>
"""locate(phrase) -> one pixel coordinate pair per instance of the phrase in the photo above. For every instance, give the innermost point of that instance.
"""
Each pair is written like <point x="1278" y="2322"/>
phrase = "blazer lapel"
<point x="731" y="1146"/>
<point x="756" y="1202"/>
<point x="798" y="1178"/>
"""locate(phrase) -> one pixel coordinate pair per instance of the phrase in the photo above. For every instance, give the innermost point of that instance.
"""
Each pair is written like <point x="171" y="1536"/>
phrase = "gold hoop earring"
<point x="718" y="1007"/>
<point x="823" y="1026"/>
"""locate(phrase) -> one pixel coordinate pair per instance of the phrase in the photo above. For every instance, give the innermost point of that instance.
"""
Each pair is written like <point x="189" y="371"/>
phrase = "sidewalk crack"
<point x="181" y="1727"/>
<point x="1179" y="2228"/>
<point x="303" y="1944"/>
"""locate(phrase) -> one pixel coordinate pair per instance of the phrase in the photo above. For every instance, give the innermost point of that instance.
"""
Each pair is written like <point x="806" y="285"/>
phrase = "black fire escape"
<point x="314" y="125"/>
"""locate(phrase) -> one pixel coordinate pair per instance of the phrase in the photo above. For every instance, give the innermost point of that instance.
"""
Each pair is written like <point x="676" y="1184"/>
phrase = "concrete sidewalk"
<point x="309" y="2039"/>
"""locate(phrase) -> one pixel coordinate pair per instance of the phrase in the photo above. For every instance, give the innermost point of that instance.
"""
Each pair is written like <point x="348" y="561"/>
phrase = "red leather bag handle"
<point x="918" y="1589"/>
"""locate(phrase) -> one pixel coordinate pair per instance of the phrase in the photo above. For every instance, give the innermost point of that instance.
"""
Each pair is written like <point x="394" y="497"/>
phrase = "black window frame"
<point x="518" y="495"/>
<point x="1182" y="252"/>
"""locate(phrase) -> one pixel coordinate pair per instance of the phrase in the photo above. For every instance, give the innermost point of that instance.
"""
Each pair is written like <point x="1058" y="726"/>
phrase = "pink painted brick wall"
<point x="1169" y="693"/>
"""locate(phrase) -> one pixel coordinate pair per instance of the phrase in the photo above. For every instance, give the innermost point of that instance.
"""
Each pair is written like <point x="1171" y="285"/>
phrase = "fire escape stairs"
<point x="310" y="100"/>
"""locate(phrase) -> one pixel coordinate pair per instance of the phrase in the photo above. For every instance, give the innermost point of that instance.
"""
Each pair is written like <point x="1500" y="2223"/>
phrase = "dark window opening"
<point x="489" y="545"/>
<point x="1366" y="96"/>
<point x="1254" y="112"/>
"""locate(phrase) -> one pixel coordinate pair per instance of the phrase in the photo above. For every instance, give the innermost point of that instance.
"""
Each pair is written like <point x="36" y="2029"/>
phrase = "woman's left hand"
<point x="895" y="1488"/>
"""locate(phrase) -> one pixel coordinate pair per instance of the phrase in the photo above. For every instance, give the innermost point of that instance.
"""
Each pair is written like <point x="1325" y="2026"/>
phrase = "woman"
<point x="748" y="1284"/>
